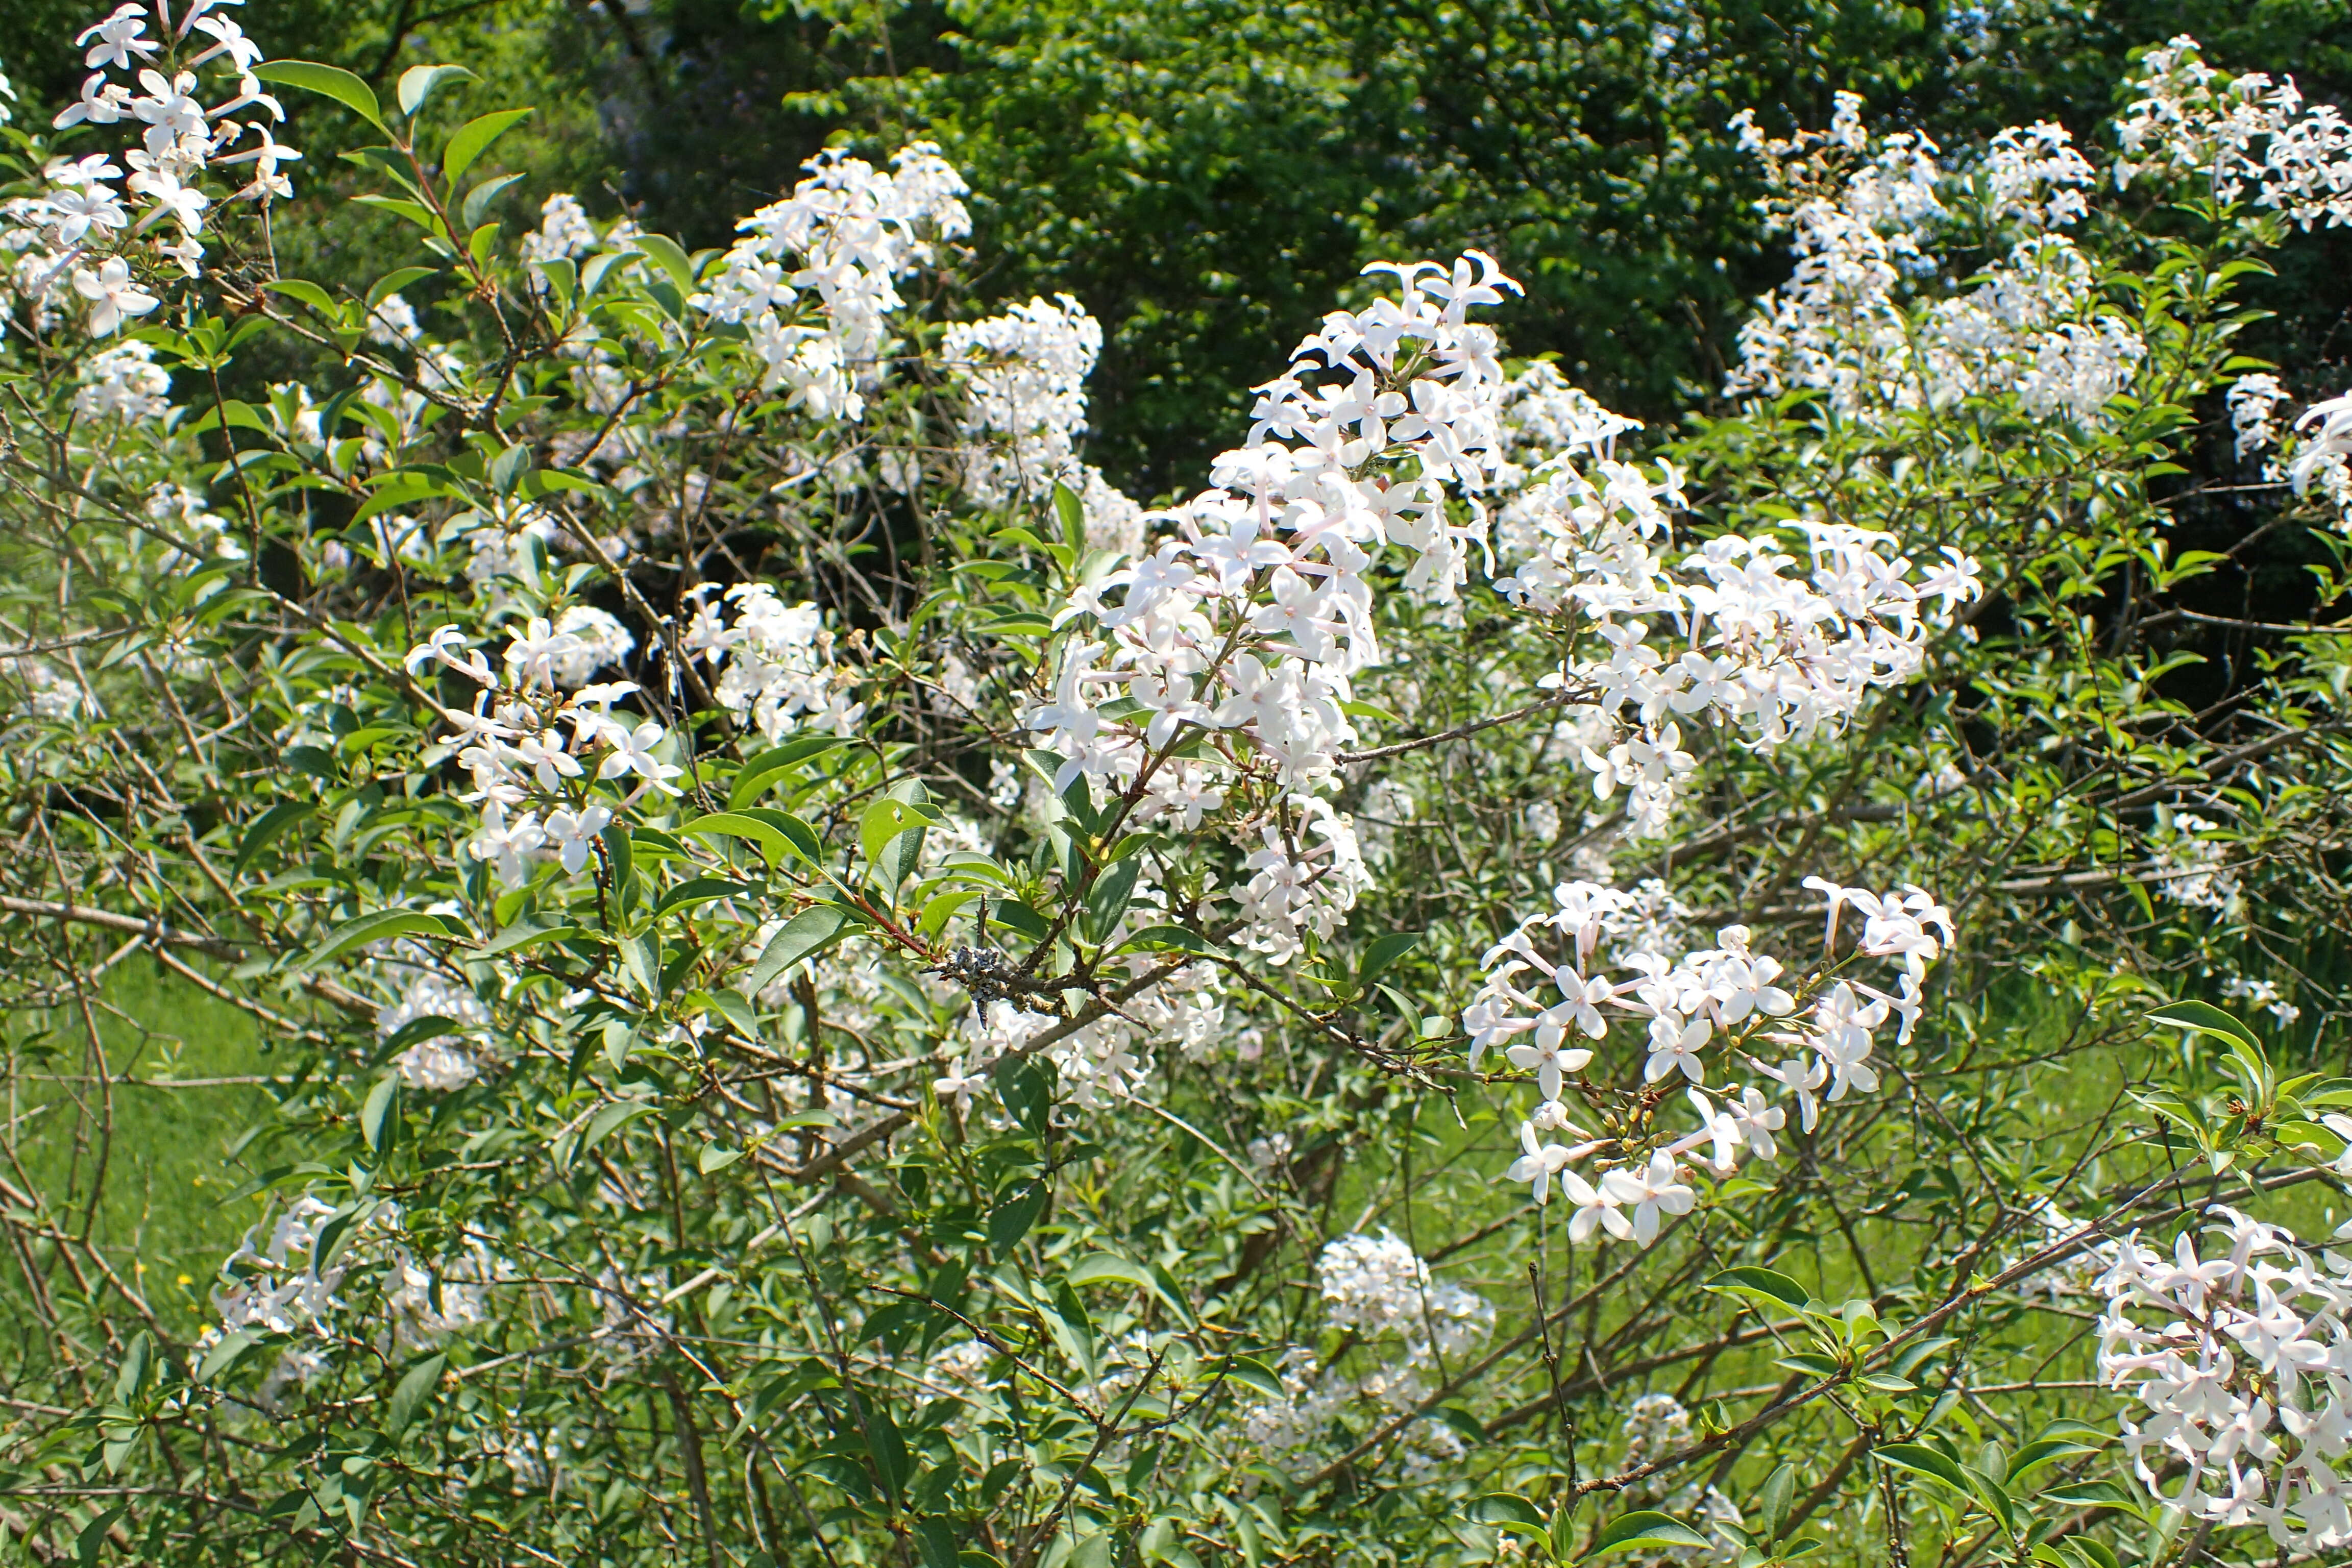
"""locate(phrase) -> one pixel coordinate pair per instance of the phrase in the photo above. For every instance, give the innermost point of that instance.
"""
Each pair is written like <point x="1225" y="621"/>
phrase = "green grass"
<point x="168" y="1164"/>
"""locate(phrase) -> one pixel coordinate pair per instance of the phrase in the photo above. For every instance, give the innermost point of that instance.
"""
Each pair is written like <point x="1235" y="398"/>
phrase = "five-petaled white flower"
<point x="1540" y="1164"/>
<point x="1649" y="1193"/>
<point x="633" y="752"/>
<point x="573" y="834"/>
<point x="957" y="1087"/>
<point x="1549" y="1061"/>
<point x="112" y="293"/>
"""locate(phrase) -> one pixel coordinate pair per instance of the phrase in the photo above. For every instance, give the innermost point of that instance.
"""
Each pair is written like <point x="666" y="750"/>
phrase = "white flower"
<point x="1649" y="1193"/>
<point x="573" y="835"/>
<point x="532" y="656"/>
<point x="1539" y="1165"/>
<point x="1844" y="1022"/>
<point x="1550" y="1062"/>
<point x="633" y="752"/>
<point x="1675" y="1043"/>
<point x="1801" y="1076"/>
<point x="1753" y="1119"/>
<point x="120" y="36"/>
<point x="957" y="1086"/>
<point x="504" y="844"/>
<point x="113" y="294"/>
<point x="437" y="1064"/>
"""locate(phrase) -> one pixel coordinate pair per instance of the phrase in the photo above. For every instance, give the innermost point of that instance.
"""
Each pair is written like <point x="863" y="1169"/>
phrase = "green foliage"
<point x="757" y="1165"/>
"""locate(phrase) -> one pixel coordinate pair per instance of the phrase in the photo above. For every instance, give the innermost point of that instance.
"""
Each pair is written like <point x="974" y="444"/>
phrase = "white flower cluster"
<point x="1778" y="646"/>
<point x="775" y="663"/>
<point x="2192" y="869"/>
<point x="444" y="1062"/>
<point x="1728" y="994"/>
<point x="2322" y="454"/>
<point x="530" y="746"/>
<point x="2244" y="1363"/>
<point x="2252" y="136"/>
<point x="278" y="1287"/>
<point x="1024" y="375"/>
<point x="48" y="694"/>
<point x="2035" y="177"/>
<point x="1372" y="1289"/>
<point x="1304" y="878"/>
<point x="73" y="228"/>
<point x="123" y="382"/>
<point x="2252" y="399"/>
<point x="2263" y="993"/>
<point x="845" y="235"/>
<point x="1239" y="634"/>
<point x="1859" y="217"/>
<point x="563" y="231"/>
<point x="1248" y="621"/>
<point x="1375" y="1285"/>
<point x="1108" y="1059"/>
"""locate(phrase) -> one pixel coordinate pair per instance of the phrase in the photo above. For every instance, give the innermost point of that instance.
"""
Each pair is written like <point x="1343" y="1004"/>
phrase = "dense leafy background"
<point x="1207" y="175"/>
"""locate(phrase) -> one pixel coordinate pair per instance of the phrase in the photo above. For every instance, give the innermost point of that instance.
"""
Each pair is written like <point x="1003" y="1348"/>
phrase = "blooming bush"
<point x="835" y="973"/>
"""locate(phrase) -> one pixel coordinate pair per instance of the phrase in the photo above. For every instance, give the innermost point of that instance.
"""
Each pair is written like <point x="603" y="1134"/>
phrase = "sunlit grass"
<point x="168" y="1161"/>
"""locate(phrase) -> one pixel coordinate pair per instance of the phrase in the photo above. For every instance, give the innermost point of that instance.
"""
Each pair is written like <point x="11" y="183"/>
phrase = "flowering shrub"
<point x="837" y="972"/>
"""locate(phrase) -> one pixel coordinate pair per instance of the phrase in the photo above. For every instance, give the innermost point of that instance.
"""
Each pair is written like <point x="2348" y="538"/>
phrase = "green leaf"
<point x="1071" y="513"/>
<point x="473" y="138"/>
<point x="393" y="282"/>
<point x="1644" y="1526"/>
<point x="669" y="256"/>
<point x="508" y="469"/>
<point x="1763" y="1284"/>
<point x="702" y="890"/>
<point x="92" y="1538"/>
<point x="376" y="1123"/>
<point x="2205" y="1019"/>
<point x="1009" y="1221"/>
<point x="1171" y="937"/>
<point x="1386" y="950"/>
<point x="382" y="926"/>
<point x="935" y="1539"/>
<point x="272" y="823"/>
<point x="1920" y="1459"/>
<point x="527" y="933"/>
<point x="2090" y="1494"/>
<point x="1255" y="1374"/>
<point x="1505" y="1511"/>
<point x="1102" y="1268"/>
<point x="478" y="199"/>
<point x="811" y="930"/>
<point x="2043" y="1451"/>
<point x="885" y="820"/>
<point x="762" y="772"/>
<point x="1772" y="1502"/>
<point x="137" y="1360"/>
<point x="416" y="1386"/>
<point x="773" y="837"/>
<point x="417" y="84"/>
<point x="613" y="1118"/>
<point x="716" y="1157"/>
<point x="1106" y="900"/>
<point x="642" y="954"/>
<point x="225" y="1353"/>
<point x="1993" y="1495"/>
<point x="887" y="1448"/>
<point x="328" y="82"/>
<point x="309" y="294"/>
